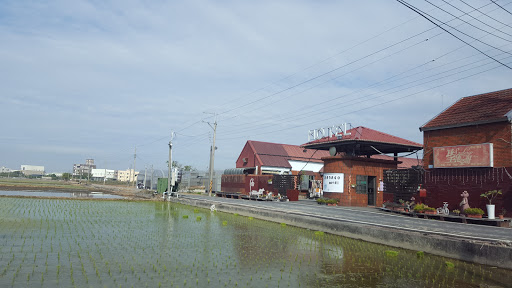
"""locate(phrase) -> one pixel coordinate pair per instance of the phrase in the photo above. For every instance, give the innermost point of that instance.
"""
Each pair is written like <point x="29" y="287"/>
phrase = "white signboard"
<point x="334" y="182"/>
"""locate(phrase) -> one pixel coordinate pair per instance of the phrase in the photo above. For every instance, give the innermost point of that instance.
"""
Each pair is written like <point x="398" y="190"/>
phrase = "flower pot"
<point x="430" y="212"/>
<point x="500" y="216"/>
<point x="474" y="216"/>
<point x="490" y="211"/>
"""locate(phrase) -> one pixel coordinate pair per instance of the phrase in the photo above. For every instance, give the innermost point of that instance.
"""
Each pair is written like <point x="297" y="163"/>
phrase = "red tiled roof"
<point x="277" y="155"/>
<point x="367" y="134"/>
<point x="478" y="109"/>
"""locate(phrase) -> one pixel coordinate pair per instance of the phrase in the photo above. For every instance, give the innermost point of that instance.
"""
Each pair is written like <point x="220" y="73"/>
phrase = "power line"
<point x="421" y="13"/>
<point x="458" y="17"/>
<point x="478" y="9"/>
<point x="501" y="7"/>
<point x="372" y="106"/>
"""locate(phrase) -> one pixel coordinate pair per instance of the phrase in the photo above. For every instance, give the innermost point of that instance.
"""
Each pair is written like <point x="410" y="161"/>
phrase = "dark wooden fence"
<point x="402" y="183"/>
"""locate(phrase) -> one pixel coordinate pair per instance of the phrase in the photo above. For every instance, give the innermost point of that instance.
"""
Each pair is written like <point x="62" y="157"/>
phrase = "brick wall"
<point x="497" y="133"/>
<point x="353" y="166"/>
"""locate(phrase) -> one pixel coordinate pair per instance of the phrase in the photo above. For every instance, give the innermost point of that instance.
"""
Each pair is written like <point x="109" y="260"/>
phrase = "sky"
<point x="101" y="79"/>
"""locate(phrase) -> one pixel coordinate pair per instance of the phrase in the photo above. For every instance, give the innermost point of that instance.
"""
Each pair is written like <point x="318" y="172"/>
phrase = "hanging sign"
<point x="463" y="156"/>
<point x="334" y="182"/>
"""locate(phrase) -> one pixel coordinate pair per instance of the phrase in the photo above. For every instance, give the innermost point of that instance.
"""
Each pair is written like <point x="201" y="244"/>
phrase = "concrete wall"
<point x="458" y="247"/>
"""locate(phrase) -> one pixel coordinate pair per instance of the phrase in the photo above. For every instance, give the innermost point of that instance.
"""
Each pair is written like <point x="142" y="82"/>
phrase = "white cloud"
<point x="107" y="76"/>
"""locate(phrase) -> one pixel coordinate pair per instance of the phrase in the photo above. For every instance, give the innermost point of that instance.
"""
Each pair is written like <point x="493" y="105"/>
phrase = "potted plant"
<point x="490" y="195"/>
<point x="456" y="212"/>
<point x="430" y="210"/>
<point x="321" y="201"/>
<point x="419" y="208"/>
<point x="502" y="213"/>
<point x="332" y="202"/>
<point x="474" y="212"/>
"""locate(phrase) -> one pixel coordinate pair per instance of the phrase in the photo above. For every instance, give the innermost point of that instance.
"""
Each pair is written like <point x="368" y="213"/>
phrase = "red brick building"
<point x="353" y="171"/>
<point x="468" y="146"/>
<point x="259" y="161"/>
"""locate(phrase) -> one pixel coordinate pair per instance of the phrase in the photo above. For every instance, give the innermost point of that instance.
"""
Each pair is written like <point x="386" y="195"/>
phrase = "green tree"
<point x="66" y="176"/>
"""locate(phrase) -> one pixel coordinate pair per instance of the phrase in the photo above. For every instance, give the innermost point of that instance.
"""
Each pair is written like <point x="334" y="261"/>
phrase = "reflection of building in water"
<point x="82" y="195"/>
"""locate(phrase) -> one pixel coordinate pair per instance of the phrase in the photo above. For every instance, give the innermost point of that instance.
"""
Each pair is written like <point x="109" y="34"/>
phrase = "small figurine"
<point x="464" y="203"/>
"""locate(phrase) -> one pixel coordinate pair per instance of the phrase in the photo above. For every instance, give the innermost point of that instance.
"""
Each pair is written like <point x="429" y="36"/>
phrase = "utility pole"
<point x="145" y="171"/>
<point x="169" y="174"/>
<point x="151" y="188"/>
<point x="212" y="153"/>
<point x="134" y="160"/>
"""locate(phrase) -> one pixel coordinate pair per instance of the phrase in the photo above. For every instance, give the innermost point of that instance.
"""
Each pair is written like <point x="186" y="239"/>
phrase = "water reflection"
<point x="95" y="195"/>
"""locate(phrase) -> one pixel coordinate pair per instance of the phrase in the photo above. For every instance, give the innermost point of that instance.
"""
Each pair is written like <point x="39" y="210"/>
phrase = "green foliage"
<point x="449" y="265"/>
<point x="283" y="224"/>
<point x="391" y="253"/>
<point x="198" y="218"/>
<point x="420" y="254"/>
<point x="224" y="223"/>
<point x="327" y="201"/>
<point x="474" y="211"/>
<point x="185" y="216"/>
<point x="490" y="195"/>
<point x="319" y="233"/>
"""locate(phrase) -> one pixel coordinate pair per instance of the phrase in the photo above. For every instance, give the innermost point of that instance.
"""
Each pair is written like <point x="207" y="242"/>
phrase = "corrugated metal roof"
<point x="478" y="109"/>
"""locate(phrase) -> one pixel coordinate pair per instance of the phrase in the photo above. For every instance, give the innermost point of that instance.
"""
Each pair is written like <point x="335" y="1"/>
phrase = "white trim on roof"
<point x="306" y="166"/>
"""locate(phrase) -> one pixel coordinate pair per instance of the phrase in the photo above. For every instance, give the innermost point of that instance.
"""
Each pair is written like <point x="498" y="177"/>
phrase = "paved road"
<point x="375" y="217"/>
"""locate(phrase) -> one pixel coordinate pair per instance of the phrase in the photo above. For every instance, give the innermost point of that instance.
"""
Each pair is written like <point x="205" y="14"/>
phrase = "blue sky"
<point x="95" y="79"/>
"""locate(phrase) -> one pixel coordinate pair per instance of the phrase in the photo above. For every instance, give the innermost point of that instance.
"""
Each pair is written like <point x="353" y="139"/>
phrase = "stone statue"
<point x="464" y="203"/>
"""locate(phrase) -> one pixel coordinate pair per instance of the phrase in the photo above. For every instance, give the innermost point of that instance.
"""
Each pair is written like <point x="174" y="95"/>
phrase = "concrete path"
<point x="375" y="217"/>
<point x="469" y="242"/>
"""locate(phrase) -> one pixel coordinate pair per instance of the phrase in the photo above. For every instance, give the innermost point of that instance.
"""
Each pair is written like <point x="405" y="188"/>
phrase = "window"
<point x="361" y="184"/>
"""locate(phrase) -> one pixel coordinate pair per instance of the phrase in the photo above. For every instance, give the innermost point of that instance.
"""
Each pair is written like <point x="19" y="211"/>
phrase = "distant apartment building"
<point x="32" y="170"/>
<point x="126" y="175"/>
<point x="4" y="169"/>
<point x="101" y="174"/>
<point x="84" y="169"/>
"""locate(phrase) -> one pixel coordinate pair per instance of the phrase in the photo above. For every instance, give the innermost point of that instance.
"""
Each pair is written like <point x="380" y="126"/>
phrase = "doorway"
<point x="372" y="195"/>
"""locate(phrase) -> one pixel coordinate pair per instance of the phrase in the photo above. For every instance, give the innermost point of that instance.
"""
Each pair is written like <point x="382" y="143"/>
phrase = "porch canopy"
<point x="362" y="141"/>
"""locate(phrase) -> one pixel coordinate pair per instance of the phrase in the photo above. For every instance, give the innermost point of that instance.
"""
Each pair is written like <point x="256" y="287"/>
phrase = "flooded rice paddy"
<point x="78" y="243"/>
<point x="96" y="195"/>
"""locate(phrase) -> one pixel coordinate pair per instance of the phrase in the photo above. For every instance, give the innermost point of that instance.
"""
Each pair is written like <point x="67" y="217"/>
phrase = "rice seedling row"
<point x="75" y="243"/>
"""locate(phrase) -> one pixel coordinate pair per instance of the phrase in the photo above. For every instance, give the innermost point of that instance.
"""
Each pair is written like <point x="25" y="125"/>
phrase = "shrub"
<point x="419" y="208"/>
<point x="474" y="211"/>
<point x="431" y="209"/>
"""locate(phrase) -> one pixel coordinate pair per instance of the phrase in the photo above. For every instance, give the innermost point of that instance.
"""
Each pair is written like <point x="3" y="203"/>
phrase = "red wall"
<point x="353" y="166"/>
<point x="446" y="185"/>
<point x="248" y="153"/>
<point x="241" y="183"/>
<point x="497" y="133"/>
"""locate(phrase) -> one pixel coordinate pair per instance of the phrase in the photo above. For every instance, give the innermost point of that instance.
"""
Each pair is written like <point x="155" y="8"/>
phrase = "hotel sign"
<point x="463" y="156"/>
<point x="334" y="182"/>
